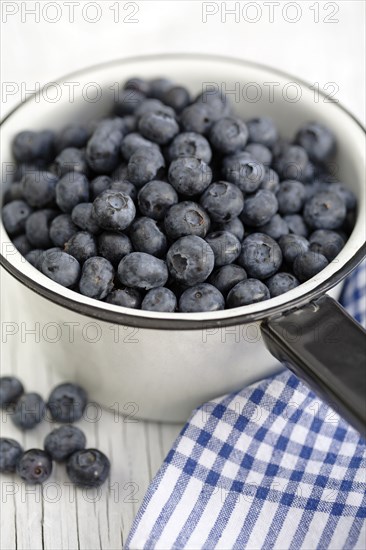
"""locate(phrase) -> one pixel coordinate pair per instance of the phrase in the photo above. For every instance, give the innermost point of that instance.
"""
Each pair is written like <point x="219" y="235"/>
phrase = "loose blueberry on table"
<point x="67" y="402"/>
<point x="88" y="468"/>
<point x="35" y="466"/>
<point x="175" y="203"/>
<point x="62" y="442"/>
<point x="10" y="390"/>
<point x="10" y="454"/>
<point x="29" y="411"/>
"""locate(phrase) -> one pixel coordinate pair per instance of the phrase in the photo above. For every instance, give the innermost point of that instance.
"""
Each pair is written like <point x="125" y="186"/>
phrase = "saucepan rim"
<point x="39" y="283"/>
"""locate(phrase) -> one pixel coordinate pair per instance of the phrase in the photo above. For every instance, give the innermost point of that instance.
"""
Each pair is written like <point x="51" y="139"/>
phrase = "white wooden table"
<point x="59" y="517"/>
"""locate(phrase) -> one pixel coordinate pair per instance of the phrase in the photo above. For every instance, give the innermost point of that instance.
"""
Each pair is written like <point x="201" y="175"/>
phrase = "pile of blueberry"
<point x="177" y="204"/>
<point x="66" y="403"/>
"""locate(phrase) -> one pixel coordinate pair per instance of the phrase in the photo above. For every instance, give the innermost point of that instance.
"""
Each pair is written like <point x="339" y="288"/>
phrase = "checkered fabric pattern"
<point x="268" y="467"/>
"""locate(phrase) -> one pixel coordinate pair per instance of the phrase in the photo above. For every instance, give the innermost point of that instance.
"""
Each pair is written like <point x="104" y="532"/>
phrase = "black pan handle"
<point x="326" y="348"/>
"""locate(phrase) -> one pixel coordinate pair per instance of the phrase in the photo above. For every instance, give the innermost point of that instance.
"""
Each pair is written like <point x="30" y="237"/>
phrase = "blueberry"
<point x="10" y="454"/>
<point x="14" y="215"/>
<point x="228" y="135"/>
<point x="291" y="197"/>
<point x="158" y="127"/>
<point x="202" y="297"/>
<point x="309" y="173"/>
<point x="226" y="277"/>
<point x="223" y="201"/>
<point x="126" y="187"/>
<point x="10" y="390"/>
<point x="71" y="189"/>
<point x="215" y="101"/>
<point x="275" y="228"/>
<point x="73" y="135"/>
<point x="259" y="152"/>
<point x="96" y="279"/>
<point x="71" y="160"/>
<point x="24" y="168"/>
<point x="190" y="260"/>
<point x="234" y="226"/>
<point x="37" y="228"/>
<point x="83" y="216"/>
<point x="190" y="144"/>
<point x="279" y="147"/>
<point x="225" y="245"/>
<point x="292" y="163"/>
<point x="22" y="244"/>
<point x="145" y="165"/>
<point x="102" y="151"/>
<point x="155" y="199"/>
<point x="125" y="297"/>
<point x="346" y="195"/>
<point x="39" y="188"/>
<point x="158" y="87"/>
<point x="63" y="442"/>
<point x="143" y="271"/>
<point x="137" y="83"/>
<point x="114" y="210"/>
<point x="114" y="246"/>
<point x="99" y="184"/>
<point x="326" y="242"/>
<point x="35" y="257"/>
<point x="29" y="146"/>
<point x="259" y="208"/>
<point x="160" y="299"/>
<point x="13" y="193"/>
<point x="281" y="283"/>
<point x="153" y="106"/>
<point x="60" y="267"/>
<point x="246" y="172"/>
<point x="325" y="210"/>
<point x="88" y="468"/>
<point x="247" y="292"/>
<point x="291" y="246"/>
<point x="197" y="118"/>
<point x="308" y="264"/>
<point x="296" y="224"/>
<point x="132" y="143"/>
<point x="62" y="228"/>
<point x="314" y="187"/>
<point x="128" y="101"/>
<point x="146" y="236"/>
<point x="186" y="218"/>
<point x="120" y="173"/>
<point x="129" y="124"/>
<point x="317" y="140"/>
<point x="29" y="411"/>
<point x="260" y="256"/>
<point x="177" y="97"/>
<point x="35" y="466"/>
<point x="81" y="246"/>
<point x="262" y="130"/>
<point x="67" y="402"/>
<point x="189" y="175"/>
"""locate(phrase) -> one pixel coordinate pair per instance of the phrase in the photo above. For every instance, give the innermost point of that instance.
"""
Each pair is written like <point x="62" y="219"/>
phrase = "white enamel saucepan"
<point x="158" y="365"/>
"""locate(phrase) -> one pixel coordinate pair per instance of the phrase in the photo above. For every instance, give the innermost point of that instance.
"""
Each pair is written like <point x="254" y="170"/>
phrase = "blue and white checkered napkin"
<point x="268" y="467"/>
